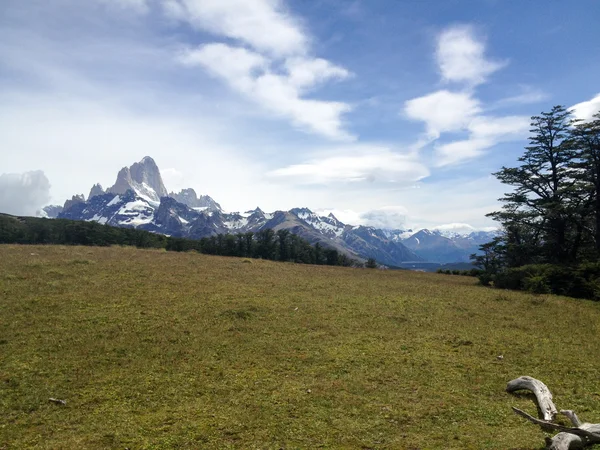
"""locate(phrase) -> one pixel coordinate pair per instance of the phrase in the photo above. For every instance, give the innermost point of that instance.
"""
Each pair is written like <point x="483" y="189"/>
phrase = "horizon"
<point x="280" y="105"/>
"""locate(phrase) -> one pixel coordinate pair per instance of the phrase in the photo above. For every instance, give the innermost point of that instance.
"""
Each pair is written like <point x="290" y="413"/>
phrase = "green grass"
<point x="165" y="350"/>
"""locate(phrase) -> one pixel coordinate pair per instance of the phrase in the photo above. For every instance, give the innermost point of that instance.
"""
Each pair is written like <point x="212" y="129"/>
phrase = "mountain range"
<point x="140" y="199"/>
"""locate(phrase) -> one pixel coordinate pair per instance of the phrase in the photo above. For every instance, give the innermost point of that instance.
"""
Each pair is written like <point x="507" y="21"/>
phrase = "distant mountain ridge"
<point x="139" y="199"/>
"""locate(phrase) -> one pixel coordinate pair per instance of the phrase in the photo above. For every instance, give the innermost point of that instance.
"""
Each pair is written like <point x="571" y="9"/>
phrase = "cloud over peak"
<point x="24" y="194"/>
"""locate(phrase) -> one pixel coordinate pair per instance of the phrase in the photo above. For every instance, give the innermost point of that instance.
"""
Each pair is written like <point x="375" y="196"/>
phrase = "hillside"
<point x="161" y="350"/>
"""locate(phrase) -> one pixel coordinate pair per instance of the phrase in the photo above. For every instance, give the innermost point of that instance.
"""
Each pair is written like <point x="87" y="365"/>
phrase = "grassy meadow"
<point x="161" y="350"/>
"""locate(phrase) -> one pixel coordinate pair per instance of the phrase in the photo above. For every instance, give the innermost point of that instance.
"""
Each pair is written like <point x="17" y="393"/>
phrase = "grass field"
<point x="165" y="350"/>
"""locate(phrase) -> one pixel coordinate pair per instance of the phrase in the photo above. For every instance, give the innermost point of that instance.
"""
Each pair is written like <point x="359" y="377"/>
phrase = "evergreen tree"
<point x="539" y="214"/>
<point x="586" y="142"/>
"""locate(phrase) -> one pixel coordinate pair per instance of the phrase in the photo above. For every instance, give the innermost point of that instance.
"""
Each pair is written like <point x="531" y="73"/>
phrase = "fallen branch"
<point x="546" y="407"/>
<point x="58" y="401"/>
<point x="569" y="438"/>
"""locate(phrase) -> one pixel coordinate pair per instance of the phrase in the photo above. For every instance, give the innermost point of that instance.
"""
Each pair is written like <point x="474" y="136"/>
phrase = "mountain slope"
<point x="139" y="199"/>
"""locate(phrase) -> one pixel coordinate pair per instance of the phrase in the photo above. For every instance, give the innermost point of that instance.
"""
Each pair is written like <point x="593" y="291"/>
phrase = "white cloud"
<point x="173" y="179"/>
<point x="306" y="72"/>
<point x="459" y="151"/>
<point x="461" y="228"/>
<point x="23" y="194"/>
<point x="389" y="217"/>
<point x="485" y="132"/>
<point x="527" y="96"/>
<point x="461" y="56"/>
<point x="263" y="24"/>
<point x="443" y="111"/>
<point x="251" y="74"/>
<point x="363" y="164"/>
<point x="499" y="128"/>
<point x="585" y="110"/>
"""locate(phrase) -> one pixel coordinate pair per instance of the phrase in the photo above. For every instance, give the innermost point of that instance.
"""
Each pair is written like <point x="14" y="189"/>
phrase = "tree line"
<point x="281" y="245"/>
<point x="550" y="240"/>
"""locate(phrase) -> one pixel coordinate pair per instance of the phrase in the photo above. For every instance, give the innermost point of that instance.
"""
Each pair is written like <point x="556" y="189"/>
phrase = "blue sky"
<point x="387" y="112"/>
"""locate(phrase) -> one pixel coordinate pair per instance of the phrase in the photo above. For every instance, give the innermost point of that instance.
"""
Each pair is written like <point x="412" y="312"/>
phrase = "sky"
<point x="390" y="113"/>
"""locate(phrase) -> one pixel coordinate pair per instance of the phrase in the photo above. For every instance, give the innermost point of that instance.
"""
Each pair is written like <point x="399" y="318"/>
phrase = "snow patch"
<point x="114" y="201"/>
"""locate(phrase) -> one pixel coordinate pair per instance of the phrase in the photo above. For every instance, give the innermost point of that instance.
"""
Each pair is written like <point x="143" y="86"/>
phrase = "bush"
<point x="485" y="278"/>
<point x="581" y="282"/>
<point x="537" y="285"/>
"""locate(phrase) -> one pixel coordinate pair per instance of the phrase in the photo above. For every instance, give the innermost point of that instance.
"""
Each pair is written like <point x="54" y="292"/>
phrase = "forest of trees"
<point x="550" y="240"/>
<point x="266" y="244"/>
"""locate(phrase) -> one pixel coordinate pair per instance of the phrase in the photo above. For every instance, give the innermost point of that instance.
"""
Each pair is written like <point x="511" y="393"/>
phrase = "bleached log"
<point x="572" y="417"/>
<point x="570" y="437"/>
<point x="564" y="441"/>
<point x="542" y="394"/>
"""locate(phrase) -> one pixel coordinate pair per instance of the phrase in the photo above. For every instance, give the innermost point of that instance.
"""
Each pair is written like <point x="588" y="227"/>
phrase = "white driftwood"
<point x="542" y="394"/>
<point x="569" y="438"/>
<point x="589" y="431"/>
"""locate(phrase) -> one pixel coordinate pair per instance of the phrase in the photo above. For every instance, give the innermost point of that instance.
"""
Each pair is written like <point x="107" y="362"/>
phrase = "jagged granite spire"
<point x="143" y="178"/>
<point x="96" y="190"/>
<point x="188" y="197"/>
<point x="73" y="201"/>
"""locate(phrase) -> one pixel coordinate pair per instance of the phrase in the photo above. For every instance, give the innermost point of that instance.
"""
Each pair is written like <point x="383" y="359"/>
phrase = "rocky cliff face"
<point x="73" y="201"/>
<point x="96" y="190"/>
<point x="143" y="178"/>
<point x="188" y="197"/>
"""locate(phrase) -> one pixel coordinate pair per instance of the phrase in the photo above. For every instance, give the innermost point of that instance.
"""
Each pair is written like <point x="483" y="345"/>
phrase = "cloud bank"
<point x="24" y="194"/>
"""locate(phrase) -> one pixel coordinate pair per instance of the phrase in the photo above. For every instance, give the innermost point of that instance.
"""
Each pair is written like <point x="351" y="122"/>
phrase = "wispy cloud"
<point x="263" y="24"/>
<point x="277" y="72"/>
<point x="528" y="95"/>
<point x="443" y="111"/>
<point x="364" y="163"/>
<point x="484" y="133"/>
<point x="461" y="56"/>
<point x="251" y="74"/>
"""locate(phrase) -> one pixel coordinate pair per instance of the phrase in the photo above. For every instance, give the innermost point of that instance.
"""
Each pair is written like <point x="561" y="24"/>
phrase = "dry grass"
<point x="162" y="350"/>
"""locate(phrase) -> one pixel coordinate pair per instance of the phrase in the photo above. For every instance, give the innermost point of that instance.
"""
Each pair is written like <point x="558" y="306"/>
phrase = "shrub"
<point x="485" y="278"/>
<point x="537" y="285"/>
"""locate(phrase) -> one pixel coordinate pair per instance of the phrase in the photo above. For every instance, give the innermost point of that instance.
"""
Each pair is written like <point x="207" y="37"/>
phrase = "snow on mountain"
<point x="144" y="179"/>
<point x="329" y="225"/>
<point x="188" y="197"/>
<point x="139" y="199"/>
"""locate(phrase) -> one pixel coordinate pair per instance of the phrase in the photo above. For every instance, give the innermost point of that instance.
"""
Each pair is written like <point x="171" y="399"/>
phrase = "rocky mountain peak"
<point x="96" y="190"/>
<point x="189" y="198"/>
<point x="143" y="178"/>
<point x="73" y="201"/>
